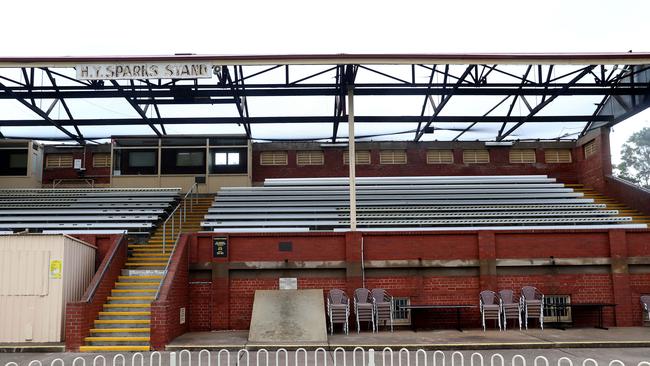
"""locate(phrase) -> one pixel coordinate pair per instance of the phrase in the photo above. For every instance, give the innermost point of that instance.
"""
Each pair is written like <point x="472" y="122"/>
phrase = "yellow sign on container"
<point x="56" y="269"/>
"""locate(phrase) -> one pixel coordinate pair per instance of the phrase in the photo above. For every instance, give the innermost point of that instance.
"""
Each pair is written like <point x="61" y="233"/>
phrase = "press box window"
<point x="392" y="157"/>
<point x="101" y="160"/>
<point x="274" y="158"/>
<point x="557" y="156"/>
<point x="310" y="158"/>
<point x="183" y="161"/>
<point x="522" y="156"/>
<point x="13" y="162"/>
<point x="440" y="157"/>
<point x="363" y="158"/>
<point x="55" y="161"/>
<point x="476" y="156"/>
<point x="137" y="162"/>
<point x="222" y="158"/>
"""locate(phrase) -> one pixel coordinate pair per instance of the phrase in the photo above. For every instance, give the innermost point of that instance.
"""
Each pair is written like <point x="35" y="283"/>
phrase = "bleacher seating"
<point x="97" y="210"/>
<point x="402" y="203"/>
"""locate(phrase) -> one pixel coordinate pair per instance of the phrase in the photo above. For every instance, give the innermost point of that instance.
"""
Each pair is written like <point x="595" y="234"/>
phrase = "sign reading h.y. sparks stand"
<point x="157" y="70"/>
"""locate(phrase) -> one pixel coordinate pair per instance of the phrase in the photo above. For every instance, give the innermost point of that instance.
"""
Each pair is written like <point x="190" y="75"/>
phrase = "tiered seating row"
<point x="85" y="210"/>
<point x="407" y="202"/>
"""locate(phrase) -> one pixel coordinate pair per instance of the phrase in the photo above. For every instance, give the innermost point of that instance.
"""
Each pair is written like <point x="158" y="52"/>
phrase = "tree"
<point x="635" y="158"/>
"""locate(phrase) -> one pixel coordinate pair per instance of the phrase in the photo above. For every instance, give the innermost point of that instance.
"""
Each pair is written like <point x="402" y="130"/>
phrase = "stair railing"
<point x="177" y="224"/>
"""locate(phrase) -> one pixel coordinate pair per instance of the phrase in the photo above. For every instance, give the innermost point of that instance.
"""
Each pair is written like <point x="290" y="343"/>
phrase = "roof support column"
<point x="352" y="160"/>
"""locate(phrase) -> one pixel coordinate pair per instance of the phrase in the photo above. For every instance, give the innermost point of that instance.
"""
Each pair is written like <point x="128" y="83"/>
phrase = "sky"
<point x="117" y="27"/>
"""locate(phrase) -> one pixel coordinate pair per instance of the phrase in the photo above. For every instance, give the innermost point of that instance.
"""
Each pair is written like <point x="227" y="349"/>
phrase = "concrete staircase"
<point x="123" y="325"/>
<point x="612" y="204"/>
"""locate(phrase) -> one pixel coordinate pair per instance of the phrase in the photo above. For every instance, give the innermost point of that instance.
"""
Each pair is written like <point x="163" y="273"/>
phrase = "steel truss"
<point x="625" y="91"/>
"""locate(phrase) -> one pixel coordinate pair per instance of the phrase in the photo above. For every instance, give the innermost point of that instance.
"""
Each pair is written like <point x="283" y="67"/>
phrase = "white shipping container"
<point x="39" y="275"/>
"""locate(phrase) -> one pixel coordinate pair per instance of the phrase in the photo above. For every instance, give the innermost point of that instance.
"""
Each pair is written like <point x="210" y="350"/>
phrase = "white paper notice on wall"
<point x="182" y="316"/>
<point x="288" y="283"/>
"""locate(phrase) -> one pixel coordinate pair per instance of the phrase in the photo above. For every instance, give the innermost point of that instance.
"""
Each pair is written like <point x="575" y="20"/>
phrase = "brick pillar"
<point x="220" y="296"/>
<point x="620" y="278"/>
<point x="353" y="261"/>
<point x="487" y="255"/>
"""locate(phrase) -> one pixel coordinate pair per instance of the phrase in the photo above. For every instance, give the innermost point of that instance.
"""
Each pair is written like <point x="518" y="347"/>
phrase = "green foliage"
<point x="635" y="158"/>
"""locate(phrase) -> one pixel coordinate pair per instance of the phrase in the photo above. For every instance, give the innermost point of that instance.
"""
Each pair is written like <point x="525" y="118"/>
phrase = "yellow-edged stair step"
<point x="125" y="321"/>
<point x="130" y="298"/>
<point x="113" y="348"/>
<point x="135" y="284"/>
<point x="133" y="306"/>
<point x="138" y="264"/>
<point x="117" y="339"/>
<point x="120" y="330"/>
<point x="125" y="313"/>
<point x="130" y="291"/>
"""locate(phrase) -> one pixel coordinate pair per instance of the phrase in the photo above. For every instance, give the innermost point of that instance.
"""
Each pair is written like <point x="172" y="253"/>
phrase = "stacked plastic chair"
<point x="532" y="304"/>
<point x="364" y="308"/>
<point x="383" y="307"/>
<point x="338" y="309"/>
<point x="510" y="306"/>
<point x="645" y="303"/>
<point x="490" y="306"/>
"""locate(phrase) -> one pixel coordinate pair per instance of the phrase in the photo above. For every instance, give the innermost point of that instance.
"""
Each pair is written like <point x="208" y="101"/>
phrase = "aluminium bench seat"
<point x="363" y="196"/>
<point x="56" y="211"/>
<point x="432" y="222"/>
<point x="87" y="225"/>
<point x="55" y="218"/>
<point x="314" y="216"/>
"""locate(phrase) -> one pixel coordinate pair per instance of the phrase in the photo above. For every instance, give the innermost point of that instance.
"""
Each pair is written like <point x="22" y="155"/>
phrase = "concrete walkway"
<point x="439" y="339"/>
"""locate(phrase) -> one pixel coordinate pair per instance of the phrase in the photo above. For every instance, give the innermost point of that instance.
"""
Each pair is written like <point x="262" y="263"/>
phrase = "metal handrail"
<point x="169" y="260"/>
<point x="194" y="195"/>
<point x="628" y="183"/>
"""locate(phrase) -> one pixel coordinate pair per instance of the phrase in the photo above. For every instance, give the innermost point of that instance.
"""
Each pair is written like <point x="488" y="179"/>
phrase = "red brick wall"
<point x="416" y="164"/>
<point x="629" y="194"/>
<point x="174" y="295"/>
<point x="79" y="316"/>
<point x="424" y="287"/>
<point x="199" y="306"/>
<point x="592" y="170"/>
<point x="103" y="242"/>
<point x="100" y="175"/>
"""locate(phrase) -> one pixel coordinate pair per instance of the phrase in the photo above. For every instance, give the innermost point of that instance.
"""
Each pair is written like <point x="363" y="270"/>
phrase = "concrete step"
<point x="121" y="332"/>
<point x="139" y="278"/>
<point x="152" y="264"/>
<point x="117" y="341"/>
<point x="130" y="299"/>
<point x="126" y="323"/>
<point x="142" y="272"/>
<point x="137" y="285"/>
<point x="133" y="292"/>
<point x="149" y="254"/>
<point x="152" y="258"/>
<point x="127" y="307"/>
<point x="114" y="348"/>
<point x="124" y="315"/>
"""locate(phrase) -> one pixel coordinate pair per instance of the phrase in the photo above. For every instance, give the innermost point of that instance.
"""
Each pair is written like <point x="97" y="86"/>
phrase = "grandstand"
<point x="506" y="181"/>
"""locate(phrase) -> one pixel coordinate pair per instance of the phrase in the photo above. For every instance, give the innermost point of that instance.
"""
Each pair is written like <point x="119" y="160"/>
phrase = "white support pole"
<point x="352" y="161"/>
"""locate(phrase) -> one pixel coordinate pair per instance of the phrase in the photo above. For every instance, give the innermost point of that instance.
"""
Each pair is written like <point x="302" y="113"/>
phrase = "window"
<point x="58" y="161"/>
<point x="13" y="162"/>
<point x="401" y="316"/>
<point x="273" y="158"/>
<point x="392" y="157"/>
<point x="141" y="159"/>
<point x="101" y="160"/>
<point x="522" y="156"/>
<point x="189" y="158"/>
<point x="310" y="158"/>
<point x="552" y="311"/>
<point x="557" y="156"/>
<point x="440" y="157"/>
<point x="476" y="156"/>
<point x="590" y="148"/>
<point x="226" y="158"/>
<point x="17" y="160"/>
<point x="363" y="158"/>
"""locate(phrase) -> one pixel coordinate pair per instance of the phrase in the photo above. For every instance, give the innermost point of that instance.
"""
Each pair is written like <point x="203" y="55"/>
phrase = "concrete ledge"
<point x="31" y="347"/>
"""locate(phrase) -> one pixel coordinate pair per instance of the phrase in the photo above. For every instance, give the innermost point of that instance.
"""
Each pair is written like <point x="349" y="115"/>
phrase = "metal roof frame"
<point x="621" y="79"/>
